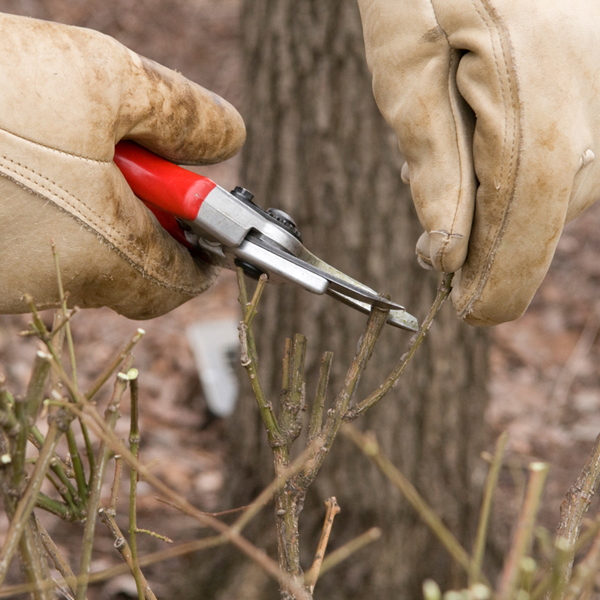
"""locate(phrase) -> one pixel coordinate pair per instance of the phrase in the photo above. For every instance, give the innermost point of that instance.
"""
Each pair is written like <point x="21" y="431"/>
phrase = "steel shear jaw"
<point x="232" y="230"/>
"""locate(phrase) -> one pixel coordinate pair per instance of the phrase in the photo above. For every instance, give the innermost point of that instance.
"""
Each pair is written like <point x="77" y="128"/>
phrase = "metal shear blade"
<point x="318" y="277"/>
<point x="331" y="280"/>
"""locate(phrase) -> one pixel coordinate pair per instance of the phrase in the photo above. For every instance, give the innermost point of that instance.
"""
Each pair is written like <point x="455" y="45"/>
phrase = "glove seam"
<point x="465" y="305"/>
<point x="56" y="150"/>
<point x="108" y="236"/>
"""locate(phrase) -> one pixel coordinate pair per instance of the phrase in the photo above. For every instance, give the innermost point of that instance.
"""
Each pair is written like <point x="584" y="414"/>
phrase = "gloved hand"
<point x="68" y="95"/>
<point x="496" y="105"/>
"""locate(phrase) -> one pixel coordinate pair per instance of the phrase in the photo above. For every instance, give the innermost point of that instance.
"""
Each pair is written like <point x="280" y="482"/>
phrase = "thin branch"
<point x="585" y="573"/>
<point x="88" y="412"/>
<point x="345" y="551"/>
<point x="333" y="508"/>
<point x="114" y="365"/>
<point x="337" y="413"/>
<point x="33" y="561"/>
<point x="114" y="493"/>
<point x="111" y="572"/>
<point x="443" y="292"/>
<point x="59" y="424"/>
<point x="111" y="416"/>
<point x="486" y="507"/>
<point x="36" y="387"/>
<point x="123" y="547"/>
<point x="576" y="504"/>
<point x="370" y="447"/>
<point x="249" y="361"/>
<point x="64" y="486"/>
<point x="134" y="444"/>
<point x="524" y="533"/>
<point x="261" y="500"/>
<point x="61" y="564"/>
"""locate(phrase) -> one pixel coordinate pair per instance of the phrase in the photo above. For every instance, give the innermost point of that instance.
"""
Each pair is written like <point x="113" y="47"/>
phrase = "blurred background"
<point x="543" y="379"/>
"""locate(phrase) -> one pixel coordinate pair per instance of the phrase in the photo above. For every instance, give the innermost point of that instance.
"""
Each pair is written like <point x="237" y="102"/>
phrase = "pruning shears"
<point x="230" y="230"/>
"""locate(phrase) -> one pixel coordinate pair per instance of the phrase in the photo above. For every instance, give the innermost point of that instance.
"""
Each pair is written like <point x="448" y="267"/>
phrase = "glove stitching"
<point x="55" y="150"/>
<point x="465" y="307"/>
<point x="110" y="237"/>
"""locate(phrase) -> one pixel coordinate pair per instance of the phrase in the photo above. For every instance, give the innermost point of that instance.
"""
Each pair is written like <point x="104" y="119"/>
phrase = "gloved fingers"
<point x="498" y="130"/>
<point x="414" y="81"/>
<point x="69" y="94"/>
<point x="528" y="144"/>
<point x="121" y="258"/>
<point x="176" y="118"/>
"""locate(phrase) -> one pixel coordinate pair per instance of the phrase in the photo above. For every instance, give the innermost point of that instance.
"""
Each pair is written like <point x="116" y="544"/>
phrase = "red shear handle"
<point x="160" y="183"/>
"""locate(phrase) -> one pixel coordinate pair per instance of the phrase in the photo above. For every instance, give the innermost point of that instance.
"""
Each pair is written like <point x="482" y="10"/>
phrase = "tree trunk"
<point x="318" y="148"/>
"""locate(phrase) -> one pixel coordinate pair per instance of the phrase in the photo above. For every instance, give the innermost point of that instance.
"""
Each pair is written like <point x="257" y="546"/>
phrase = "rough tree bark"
<point x="318" y="148"/>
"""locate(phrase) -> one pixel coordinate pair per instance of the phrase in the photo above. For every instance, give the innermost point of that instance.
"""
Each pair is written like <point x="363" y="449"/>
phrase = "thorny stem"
<point x="111" y="416"/>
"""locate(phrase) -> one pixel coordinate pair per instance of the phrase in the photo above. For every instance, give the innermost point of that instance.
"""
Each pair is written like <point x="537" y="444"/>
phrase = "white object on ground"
<point x="215" y="346"/>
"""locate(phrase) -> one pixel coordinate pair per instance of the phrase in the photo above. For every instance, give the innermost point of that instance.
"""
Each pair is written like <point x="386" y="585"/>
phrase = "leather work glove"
<point x="68" y="96"/>
<point x="496" y="104"/>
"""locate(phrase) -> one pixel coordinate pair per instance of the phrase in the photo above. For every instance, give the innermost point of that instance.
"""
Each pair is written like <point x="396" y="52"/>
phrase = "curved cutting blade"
<point x="398" y="316"/>
<point x="319" y="277"/>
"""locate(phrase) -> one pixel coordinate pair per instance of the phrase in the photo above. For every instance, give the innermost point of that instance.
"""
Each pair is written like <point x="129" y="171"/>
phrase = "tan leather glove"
<point x="68" y="95"/>
<point x="496" y="104"/>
